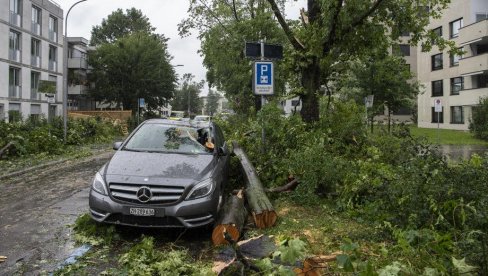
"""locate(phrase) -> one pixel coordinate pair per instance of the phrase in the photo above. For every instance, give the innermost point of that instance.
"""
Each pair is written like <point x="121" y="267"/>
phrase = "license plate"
<point x="141" y="211"/>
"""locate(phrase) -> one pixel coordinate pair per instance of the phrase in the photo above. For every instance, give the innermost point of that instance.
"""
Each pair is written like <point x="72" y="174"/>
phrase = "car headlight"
<point x="202" y="189"/>
<point x="98" y="184"/>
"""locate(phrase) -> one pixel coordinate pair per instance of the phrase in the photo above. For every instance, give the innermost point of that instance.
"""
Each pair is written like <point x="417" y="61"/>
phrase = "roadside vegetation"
<point x="35" y="141"/>
<point x="394" y="197"/>
<point x="447" y="136"/>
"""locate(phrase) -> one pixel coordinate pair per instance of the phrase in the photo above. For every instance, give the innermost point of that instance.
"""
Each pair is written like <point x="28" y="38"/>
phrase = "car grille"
<point x="144" y="221"/>
<point x="160" y="194"/>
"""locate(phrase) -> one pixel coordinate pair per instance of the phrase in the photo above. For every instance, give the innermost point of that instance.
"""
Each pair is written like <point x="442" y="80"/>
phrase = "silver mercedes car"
<point x="165" y="174"/>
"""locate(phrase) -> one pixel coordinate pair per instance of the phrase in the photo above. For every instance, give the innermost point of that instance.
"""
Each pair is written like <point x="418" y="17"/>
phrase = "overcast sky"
<point x="164" y="15"/>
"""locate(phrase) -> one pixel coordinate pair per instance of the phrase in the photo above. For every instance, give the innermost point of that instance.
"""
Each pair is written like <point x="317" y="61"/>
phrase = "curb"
<point x="48" y="164"/>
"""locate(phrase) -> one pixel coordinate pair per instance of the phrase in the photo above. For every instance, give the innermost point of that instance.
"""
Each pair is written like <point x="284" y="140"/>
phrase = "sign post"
<point x="438" y="110"/>
<point x="140" y="104"/>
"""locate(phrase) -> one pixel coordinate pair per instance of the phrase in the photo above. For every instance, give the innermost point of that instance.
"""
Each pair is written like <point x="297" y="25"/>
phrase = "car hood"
<point x="158" y="168"/>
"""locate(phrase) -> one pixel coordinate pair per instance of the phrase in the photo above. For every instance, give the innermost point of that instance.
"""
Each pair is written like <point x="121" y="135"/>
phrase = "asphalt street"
<point x="36" y="211"/>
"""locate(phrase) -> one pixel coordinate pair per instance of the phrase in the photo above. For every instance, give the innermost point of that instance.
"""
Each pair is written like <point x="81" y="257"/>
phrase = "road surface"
<point x="36" y="211"/>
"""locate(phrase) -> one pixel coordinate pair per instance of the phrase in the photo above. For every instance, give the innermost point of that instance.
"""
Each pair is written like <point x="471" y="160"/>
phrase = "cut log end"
<point x="265" y="219"/>
<point x="218" y="233"/>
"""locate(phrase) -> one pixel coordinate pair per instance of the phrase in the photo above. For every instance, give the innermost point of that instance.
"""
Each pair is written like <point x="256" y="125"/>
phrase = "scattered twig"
<point x="290" y="186"/>
<point x="9" y="144"/>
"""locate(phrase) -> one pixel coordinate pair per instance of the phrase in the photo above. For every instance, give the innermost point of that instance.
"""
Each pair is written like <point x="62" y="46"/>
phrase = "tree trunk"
<point x="262" y="211"/>
<point x="311" y="83"/>
<point x="231" y="219"/>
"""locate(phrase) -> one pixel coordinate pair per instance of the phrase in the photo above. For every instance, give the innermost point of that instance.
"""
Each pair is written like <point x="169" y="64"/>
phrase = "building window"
<point x="404" y="33"/>
<point x="437" y="32"/>
<point x="14" y="114"/>
<point x="405" y="50"/>
<point x="14" y="83"/>
<point x="295" y="103"/>
<point x="481" y="16"/>
<point x="52" y="58"/>
<point x="35" y="77"/>
<point x="437" y="62"/>
<point x="437" y="117"/>
<point x="35" y="114"/>
<point x="36" y="20"/>
<point x="480" y="81"/>
<point x="457" y="115"/>
<point x="454" y="59"/>
<point x="16" y="12"/>
<point x="437" y="88"/>
<point x="454" y="27"/>
<point x="457" y="84"/>
<point x="14" y="46"/>
<point x="35" y="52"/>
<point x="53" y="28"/>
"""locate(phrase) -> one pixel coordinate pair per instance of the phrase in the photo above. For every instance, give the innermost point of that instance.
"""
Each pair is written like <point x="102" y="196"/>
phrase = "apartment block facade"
<point x="31" y="50"/>
<point x="77" y="75"/>
<point x="455" y="82"/>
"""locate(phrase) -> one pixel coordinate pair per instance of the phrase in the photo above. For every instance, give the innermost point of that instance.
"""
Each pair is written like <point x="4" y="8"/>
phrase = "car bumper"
<point x="185" y="214"/>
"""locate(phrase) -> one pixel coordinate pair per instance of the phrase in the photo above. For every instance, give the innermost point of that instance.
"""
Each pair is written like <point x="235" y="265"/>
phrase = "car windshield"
<point x="168" y="138"/>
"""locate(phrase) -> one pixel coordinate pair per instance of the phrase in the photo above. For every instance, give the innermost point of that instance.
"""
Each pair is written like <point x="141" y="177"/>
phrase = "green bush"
<point x="479" y="119"/>
<point x="36" y="136"/>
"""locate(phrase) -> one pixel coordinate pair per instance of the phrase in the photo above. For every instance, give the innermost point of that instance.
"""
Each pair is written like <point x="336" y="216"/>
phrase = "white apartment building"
<point x="31" y="50"/>
<point x="457" y="81"/>
<point x="77" y="75"/>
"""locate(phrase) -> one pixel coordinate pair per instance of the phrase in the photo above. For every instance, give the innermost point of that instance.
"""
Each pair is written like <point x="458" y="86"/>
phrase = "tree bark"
<point x="231" y="219"/>
<point x="262" y="210"/>
<point x="290" y="186"/>
<point x="311" y="83"/>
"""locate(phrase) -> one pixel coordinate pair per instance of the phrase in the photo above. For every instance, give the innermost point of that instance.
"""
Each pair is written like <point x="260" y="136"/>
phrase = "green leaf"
<point x="344" y="262"/>
<point x="462" y="267"/>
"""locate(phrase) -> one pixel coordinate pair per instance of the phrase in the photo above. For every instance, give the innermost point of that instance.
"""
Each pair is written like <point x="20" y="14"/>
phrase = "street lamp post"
<point x="65" y="73"/>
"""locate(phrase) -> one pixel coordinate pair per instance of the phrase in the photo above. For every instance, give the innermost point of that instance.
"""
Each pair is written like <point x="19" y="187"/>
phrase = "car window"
<point x="166" y="138"/>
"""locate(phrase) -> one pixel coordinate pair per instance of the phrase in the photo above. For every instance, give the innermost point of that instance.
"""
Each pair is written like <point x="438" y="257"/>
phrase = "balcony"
<point x="15" y="92"/>
<point x="14" y="55"/>
<point x="15" y="19"/>
<point x="77" y="63"/>
<point x="36" y="28"/>
<point x="53" y="36"/>
<point x="35" y="95"/>
<point x="77" y="89"/>
<point x="469" y="96"/>
<point x="474" y="64"/>
<point x="36" y="61"/>
<point x="474" y="32"/>
<point x="53" y="66"/>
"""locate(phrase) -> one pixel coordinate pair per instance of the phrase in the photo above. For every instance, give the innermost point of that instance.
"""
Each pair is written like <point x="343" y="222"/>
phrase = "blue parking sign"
<point x="263" y="78"/>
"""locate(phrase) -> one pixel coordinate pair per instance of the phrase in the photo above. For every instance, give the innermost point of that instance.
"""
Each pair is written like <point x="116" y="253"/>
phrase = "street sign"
<point x="368" y="101"/>
<point x="50" y="98"/>
<point x="271" y="51"/>
<point x="141" y="102"/>
<point x="263" y="83"/>
<point x="437" y="105"/>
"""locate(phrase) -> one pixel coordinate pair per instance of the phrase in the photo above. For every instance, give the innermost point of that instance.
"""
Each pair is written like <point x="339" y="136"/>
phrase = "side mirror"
<point x="117" y="145"/>
<point x="221" y="151"/>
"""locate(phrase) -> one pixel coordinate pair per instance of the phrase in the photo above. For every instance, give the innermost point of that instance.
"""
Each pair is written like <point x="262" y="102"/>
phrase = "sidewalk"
<point x="94" y="152"/>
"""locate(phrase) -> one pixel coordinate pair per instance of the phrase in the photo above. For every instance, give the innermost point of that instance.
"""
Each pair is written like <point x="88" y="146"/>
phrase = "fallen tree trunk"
<point x="290" y="186"/>
<point x="262" y="211"/>
<point x="231" y="219"/>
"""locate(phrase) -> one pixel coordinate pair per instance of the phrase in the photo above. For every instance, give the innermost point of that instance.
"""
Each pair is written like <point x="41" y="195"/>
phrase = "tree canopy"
<point x="212" y="102"/>
<point x="130" y="62"/>
<point x="319" y="46"/>
<point x="223" y="28"/>
<point x="119" y="24"/>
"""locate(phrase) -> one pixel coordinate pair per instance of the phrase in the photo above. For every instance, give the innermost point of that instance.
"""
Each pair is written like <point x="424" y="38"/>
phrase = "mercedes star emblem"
<point x="144" y="194"/>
